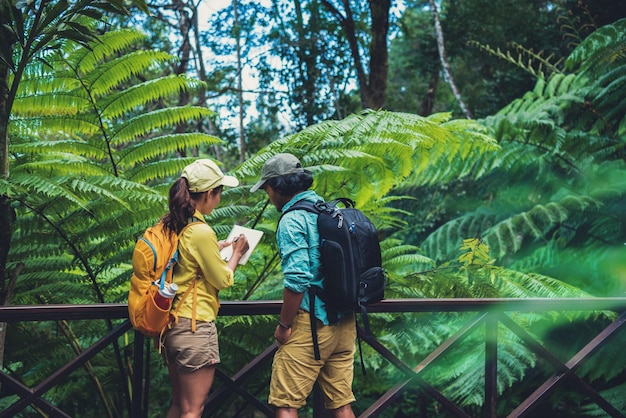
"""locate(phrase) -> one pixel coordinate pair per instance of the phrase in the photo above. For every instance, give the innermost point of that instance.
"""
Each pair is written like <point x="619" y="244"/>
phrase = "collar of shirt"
<point x="309" y="195"/>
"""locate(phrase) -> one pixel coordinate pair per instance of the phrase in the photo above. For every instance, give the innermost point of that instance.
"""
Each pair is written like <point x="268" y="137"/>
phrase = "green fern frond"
<point x="506" y="236"/>
<point x="392" y="248"/>
<point x="46" y="188"/>
<point x="406" y="262"/>
<point x="88" y="187"/>
<point x="42" y="80"/>
<point x="110" y="75"/>
<point x="544" y="103"/>
<point x="163" y="169"/>
<point x="614" y="396"/>
<point x="526" y="59"/>
<point x="597" y="275"/>
<point x="411" y="144"/>
<point x="110" y="44"/>
<point x="384" y="217"/>
<point x="70" y="148"/>
<point x="607" y="106"/>
<point x="603" y="46"/>
<point x="138" y="153"/>
<point x="527" y="285"/>
<point x="59" y="103"/>
<point x="138" y="95"/>
<point x="443" y="243"/>
<point x="52" y="125"/>
<point x="153" y="121"/>
<point x="227" y="213"/>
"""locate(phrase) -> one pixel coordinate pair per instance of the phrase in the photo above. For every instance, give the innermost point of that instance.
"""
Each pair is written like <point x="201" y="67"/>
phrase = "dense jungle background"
<point x="484" y="139"/>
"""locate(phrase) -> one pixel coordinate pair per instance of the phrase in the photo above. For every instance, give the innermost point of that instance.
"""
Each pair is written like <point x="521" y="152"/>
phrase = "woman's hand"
<point x="224" y="243"/>
<point x="240" y="244"/>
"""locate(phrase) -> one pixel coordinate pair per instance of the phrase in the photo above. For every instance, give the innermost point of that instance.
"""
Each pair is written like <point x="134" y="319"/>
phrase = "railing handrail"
<point x="492" y="312"/>
<point x="26" y="313"/>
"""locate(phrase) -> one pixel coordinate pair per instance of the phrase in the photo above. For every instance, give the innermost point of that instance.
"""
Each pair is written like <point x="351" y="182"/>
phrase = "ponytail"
<point x="180" y="204"/>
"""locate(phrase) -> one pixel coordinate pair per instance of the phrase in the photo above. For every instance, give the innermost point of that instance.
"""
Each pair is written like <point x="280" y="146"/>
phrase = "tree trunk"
<point x="444" y="61"/>
<point x="426" y="108"/>
<point x="202" y="74"/>
<point x="379" y="65"/>
<point x="184" y="25"/>
<point x="372" y="88"/>
<point x="242" y="109"/>
<point x="7" y="214"/>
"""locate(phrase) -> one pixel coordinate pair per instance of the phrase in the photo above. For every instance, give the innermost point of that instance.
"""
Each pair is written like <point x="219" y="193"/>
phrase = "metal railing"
<point x="490" y="314"/>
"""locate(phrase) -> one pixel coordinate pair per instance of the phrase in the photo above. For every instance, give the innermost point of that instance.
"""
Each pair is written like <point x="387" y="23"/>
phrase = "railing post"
<point x="137" y="376"/>
<point x="491" y="366"/>
<point x="319" y="410"/>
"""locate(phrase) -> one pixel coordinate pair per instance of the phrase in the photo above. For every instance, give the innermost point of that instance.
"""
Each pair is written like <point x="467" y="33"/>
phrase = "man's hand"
<point x="282" y="334"/>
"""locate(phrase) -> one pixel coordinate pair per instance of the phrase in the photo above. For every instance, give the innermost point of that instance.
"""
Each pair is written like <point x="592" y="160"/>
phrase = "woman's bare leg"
<point x="174" y="410"/>
<point x="194" y="389"/>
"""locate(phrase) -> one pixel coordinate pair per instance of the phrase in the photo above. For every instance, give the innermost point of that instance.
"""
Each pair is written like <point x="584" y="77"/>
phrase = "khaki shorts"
<point x="191" y="351"/>
<point x="295" y="370"/>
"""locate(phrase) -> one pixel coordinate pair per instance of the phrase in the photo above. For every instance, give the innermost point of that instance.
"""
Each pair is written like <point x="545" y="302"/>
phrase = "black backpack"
<point x="350" y="258"/>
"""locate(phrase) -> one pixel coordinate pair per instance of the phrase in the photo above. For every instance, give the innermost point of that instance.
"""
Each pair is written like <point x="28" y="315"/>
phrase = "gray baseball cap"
<point x="278" y="165"/>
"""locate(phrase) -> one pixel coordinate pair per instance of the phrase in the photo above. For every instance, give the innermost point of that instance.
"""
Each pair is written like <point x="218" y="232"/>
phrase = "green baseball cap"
<point x="278" y="165"/>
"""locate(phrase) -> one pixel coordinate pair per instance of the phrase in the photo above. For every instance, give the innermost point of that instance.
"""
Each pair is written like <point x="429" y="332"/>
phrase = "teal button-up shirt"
<point x="298" y="243"/>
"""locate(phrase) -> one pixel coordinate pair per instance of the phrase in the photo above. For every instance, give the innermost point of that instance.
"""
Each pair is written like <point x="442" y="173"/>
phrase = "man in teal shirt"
<point x="295" y="369"/>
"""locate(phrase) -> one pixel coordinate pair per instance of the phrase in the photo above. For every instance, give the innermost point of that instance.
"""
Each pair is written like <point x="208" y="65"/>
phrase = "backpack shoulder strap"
<point x="313" y="208"/>
<point x="320" y="206"/>
<point x="304" y="205"/>
<point x="193" y="287"/>
<point x="191" y="221"/>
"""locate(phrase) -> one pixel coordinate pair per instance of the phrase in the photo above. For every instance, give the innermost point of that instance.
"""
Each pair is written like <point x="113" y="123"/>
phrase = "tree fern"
<point x="368" y="154"/>
<point x="562" y="156"/>
<point x="547" y="203"/>
<point x="83" y="188"/>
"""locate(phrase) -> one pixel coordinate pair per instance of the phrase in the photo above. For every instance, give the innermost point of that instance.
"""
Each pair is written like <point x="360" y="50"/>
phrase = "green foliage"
<point x="72" y="21"/>
<point x="95" y="146"/>
<point x="368" y="154"/>
<point x="548" y="204"/>
<point x="414" y="65"/>
<point x="477" y="262"/>
<point x="556" y="182"/>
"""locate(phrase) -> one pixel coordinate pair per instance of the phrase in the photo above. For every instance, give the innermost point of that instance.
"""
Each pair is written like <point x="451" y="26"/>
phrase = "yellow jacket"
<point x="199" y="256"/>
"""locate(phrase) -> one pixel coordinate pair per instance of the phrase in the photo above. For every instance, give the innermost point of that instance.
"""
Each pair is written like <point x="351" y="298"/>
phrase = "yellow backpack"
<point x="154" y="257"/>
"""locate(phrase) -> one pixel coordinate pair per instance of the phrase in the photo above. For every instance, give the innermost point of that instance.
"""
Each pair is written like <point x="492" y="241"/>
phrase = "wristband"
<point x="283" y="326"/>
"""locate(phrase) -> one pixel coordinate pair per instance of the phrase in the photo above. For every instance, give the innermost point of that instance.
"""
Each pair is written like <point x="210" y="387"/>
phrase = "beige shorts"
<point x="191" y="351"/>
<point x="295" y="370"/>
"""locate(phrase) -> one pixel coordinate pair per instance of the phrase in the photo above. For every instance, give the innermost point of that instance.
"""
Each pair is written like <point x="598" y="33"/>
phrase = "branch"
<point x="444" y="61"/>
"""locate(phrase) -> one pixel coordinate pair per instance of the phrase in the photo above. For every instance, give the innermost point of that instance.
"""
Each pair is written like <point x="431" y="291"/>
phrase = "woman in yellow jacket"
<point x="191" y="347"/>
